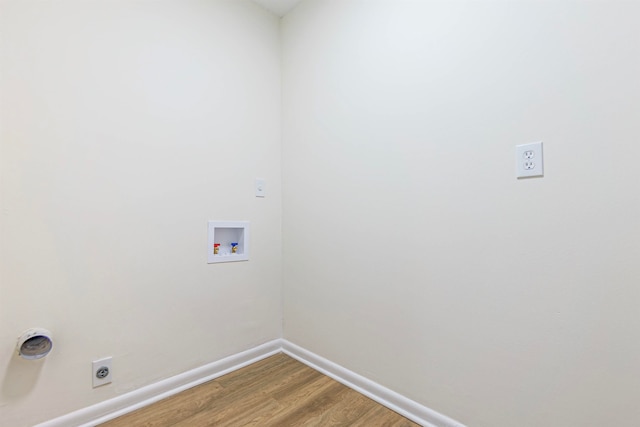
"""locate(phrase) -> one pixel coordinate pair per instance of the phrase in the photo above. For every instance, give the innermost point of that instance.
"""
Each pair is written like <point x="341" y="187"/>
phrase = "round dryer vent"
<point x="34" y="343"/>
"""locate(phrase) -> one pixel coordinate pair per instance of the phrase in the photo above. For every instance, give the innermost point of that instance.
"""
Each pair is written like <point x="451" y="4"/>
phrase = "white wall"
<point x="126" y="125"/>
<point x="412" y="254"/>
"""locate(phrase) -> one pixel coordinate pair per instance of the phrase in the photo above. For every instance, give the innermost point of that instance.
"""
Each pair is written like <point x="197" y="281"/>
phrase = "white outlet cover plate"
<point x="97" y="364"/>
<point x="261" y="187"/>
<point x="529" y="160"/>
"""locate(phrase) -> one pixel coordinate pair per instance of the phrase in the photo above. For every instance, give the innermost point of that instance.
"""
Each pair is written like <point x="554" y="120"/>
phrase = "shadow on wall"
<point x="21" y="376"/>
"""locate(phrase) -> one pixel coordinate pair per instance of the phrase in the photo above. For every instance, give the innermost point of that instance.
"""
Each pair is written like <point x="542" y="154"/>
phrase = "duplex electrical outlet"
<point x="529" y="161"/>
<point x="102" y="372"/>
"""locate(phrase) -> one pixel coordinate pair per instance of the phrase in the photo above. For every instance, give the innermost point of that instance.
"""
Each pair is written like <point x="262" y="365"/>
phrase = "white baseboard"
<point x="406" y="407"/>
<point x="129" y="402"/>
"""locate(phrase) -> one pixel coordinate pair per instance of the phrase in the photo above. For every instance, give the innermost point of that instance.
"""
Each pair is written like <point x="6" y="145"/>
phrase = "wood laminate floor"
<point x="277" y="391"/>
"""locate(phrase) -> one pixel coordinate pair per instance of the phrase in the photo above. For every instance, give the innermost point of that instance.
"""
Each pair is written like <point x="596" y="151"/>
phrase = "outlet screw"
<point x="102" y="372"/>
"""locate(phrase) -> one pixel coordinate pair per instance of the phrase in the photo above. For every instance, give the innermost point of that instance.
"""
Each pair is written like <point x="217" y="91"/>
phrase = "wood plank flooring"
<point x="277" y="391"/>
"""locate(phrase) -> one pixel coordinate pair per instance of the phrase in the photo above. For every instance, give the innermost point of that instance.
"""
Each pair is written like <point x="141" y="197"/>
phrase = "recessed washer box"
<point x="227" y="234"/>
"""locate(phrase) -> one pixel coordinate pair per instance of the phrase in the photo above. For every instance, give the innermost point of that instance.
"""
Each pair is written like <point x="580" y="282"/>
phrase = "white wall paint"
<point x="279" y="7"/>
<point x="126" y="125"/>
<point x="412" y="254"/>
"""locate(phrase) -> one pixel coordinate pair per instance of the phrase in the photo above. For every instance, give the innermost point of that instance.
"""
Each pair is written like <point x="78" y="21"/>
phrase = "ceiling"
<point x="279" y="7"/>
